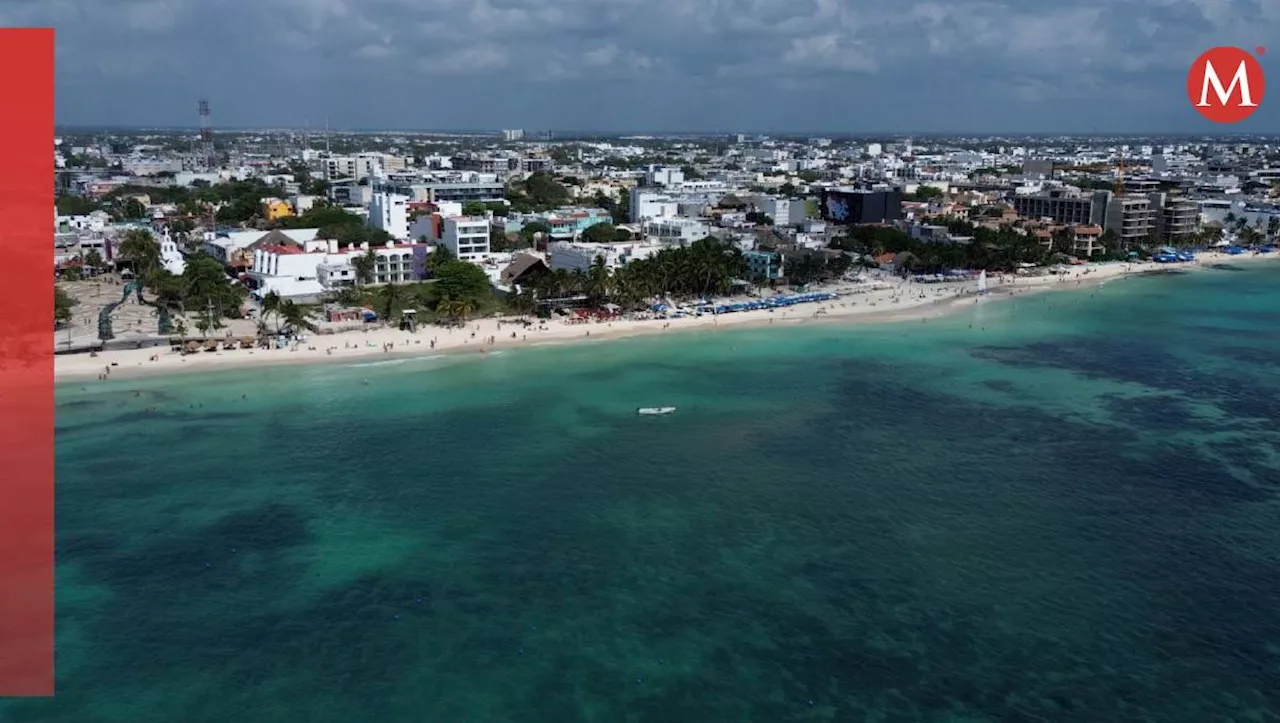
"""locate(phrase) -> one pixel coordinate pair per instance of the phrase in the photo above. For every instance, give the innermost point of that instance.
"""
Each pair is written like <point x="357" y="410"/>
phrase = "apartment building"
<point x="676" y="230"/>
<point x="646" y="204"/>
<point x="484" y="163"/>
<point x="1130" y="218"/>
<point x="390" y="212"/>
<point x="466" y="237"/>
<point x="763" y="265"/>
<point x="362" y="165"/>
<point x="1178" y="218"/>
<point x="1064" y="206"/>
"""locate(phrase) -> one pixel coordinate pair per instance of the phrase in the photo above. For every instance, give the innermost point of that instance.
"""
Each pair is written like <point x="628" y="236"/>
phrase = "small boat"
<point x="655" y="410"/>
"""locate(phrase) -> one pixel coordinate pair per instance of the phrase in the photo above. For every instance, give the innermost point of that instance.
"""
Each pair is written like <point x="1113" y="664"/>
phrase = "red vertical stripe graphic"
<point x="26" y="362"/>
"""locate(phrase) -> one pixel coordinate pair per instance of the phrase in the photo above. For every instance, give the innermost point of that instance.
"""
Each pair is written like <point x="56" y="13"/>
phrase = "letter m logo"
<point x="1226" y="102"/>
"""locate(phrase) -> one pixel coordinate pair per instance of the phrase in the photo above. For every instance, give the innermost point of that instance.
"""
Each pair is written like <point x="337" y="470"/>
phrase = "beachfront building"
<point x="466" y="237"/>
<point x="763" y="265"/>
<point x="306" y="272"/>
<point x="1088" y="239"/>
<point x="1066" y="206"/>
<point x="287" y="270"/>
<point x="575" y="256"/>
<point x="1177" y="220"/>
<point x="1131" y="219"/>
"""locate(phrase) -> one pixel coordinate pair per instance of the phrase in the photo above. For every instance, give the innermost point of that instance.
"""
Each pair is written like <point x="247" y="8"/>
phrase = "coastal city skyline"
<point x="793" y="391"/>
<point x="672" y="65"/>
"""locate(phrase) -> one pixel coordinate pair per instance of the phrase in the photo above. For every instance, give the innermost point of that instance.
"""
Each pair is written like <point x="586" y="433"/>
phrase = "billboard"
<point x="851" y="206"/>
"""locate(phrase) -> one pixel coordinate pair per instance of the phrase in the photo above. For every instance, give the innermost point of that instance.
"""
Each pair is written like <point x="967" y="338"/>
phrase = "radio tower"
<point x="206" y="136"/>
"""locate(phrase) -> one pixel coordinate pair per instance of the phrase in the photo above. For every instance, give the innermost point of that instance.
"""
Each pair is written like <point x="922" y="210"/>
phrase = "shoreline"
<point x="905" y="301"/>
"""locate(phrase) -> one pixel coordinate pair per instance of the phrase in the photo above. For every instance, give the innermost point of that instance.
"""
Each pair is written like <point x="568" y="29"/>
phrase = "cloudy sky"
<point x="660" y="65"/>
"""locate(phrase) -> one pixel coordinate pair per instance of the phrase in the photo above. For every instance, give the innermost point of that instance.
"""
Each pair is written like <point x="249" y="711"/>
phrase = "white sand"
<point x="903" y="301"/>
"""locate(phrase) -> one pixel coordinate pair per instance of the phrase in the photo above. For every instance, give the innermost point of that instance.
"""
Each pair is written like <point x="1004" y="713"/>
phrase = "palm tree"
<point x="296" y="315"/>
<point x="392" y="295"/>
<point x="438" y="257"/>
<point x="363" y="266"/>
<point x="271" y="306"/>
<point x="597" y="282"/>
<point x="464" y="308"/>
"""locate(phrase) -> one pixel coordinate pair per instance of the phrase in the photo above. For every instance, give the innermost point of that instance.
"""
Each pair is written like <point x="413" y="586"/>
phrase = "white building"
<point x="362" y="165"/>
<point x="645" y="204"/>
<point x="664" y="176"/>
<point x="96" y="221"/>
<point x="224" y="248"/>
<point x="170" y="257"/>
<point x="308" y="272"/>
<point x="575" y="255"/>
<point x="676" y="230"/>
<point x="778" y="209"/>
<point x="150" y="166"/>
<point x="301" y="204"/>
<point x="390" y="213"/>
<point x="466" y="237"/>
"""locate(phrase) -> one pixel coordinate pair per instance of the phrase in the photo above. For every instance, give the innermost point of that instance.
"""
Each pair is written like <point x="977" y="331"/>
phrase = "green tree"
<point x="392" y="299"/>
<point x="364" y="265"/>
<point x="296" y="316"/>
<point x="206" y="286"/>
<point x="473" y="208"/>
<point x="540" y="191"/>
<point x="132" y="210"/>
<point x="600" y="233"/>
<point x="439" y="256"/>
<point x="345" y="296"/>
<point x="141" y="249"/>
<point x="927" y="193"/>
<point x="271" y="307"/>
<point x="62" y="305"/>
<point x="597" y="283"/>
<point x="460" y="280"/>
<point x="530" y="230"/>
<point x="74" y="205"/>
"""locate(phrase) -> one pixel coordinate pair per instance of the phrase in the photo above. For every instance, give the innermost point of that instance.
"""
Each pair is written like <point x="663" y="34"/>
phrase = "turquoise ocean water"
<point x="1064" y="507"/>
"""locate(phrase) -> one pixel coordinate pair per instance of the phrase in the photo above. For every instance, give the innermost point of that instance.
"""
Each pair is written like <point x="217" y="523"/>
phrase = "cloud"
<point x="644" y="64"/>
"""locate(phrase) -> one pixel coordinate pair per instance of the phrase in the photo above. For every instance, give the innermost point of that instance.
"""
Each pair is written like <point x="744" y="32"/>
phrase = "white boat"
<point x="655" y="410"/>
<point x="982" y="282"/>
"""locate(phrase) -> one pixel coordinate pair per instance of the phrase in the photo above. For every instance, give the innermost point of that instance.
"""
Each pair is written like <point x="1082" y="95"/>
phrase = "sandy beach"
<point x="901" y="300"/>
